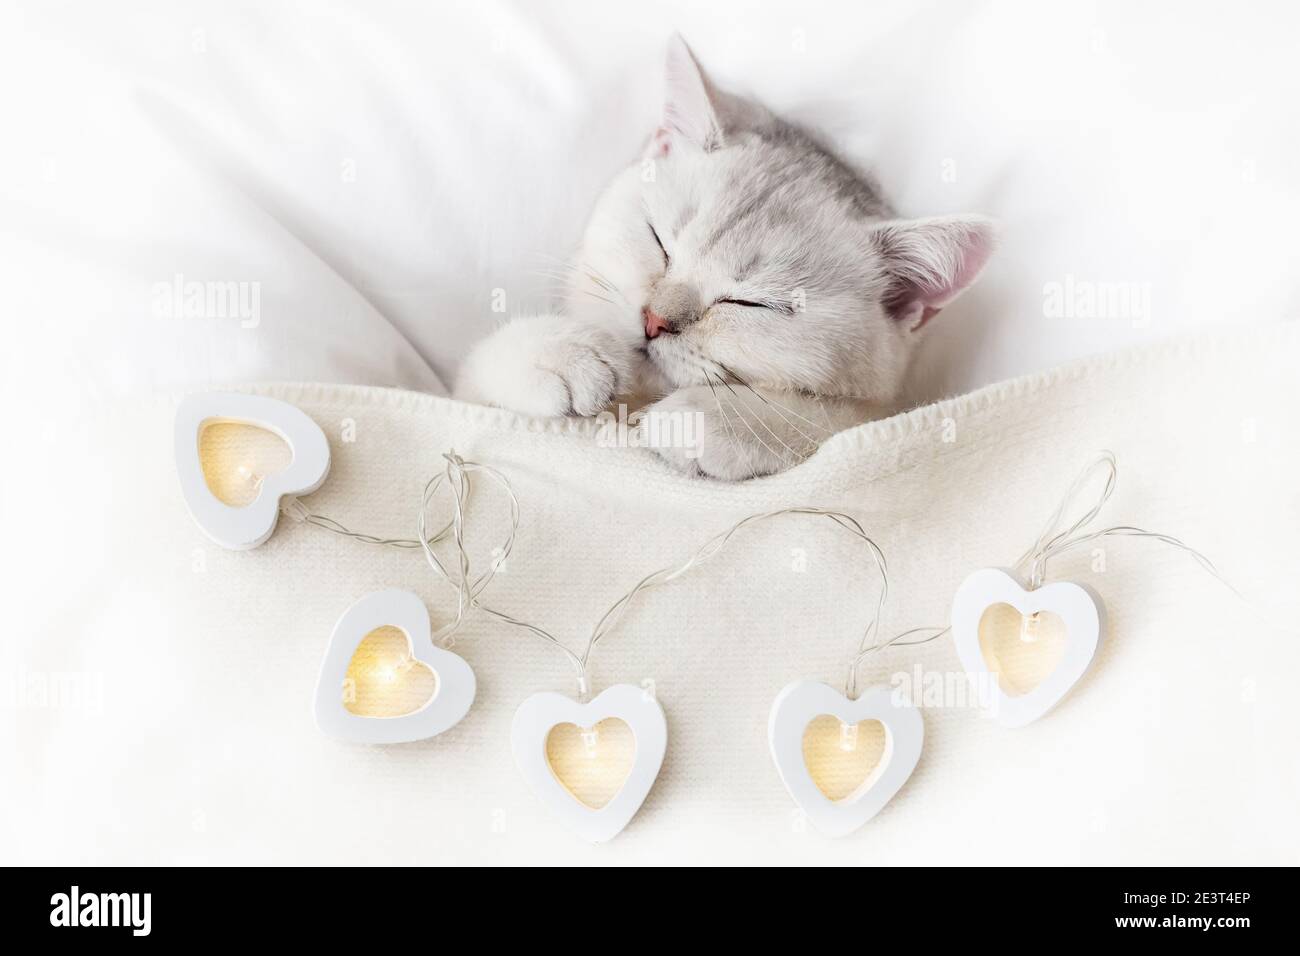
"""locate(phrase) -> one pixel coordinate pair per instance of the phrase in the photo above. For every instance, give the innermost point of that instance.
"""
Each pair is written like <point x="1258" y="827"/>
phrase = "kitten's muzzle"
<point x="655" y="324"/>
<point x="671" y="308"/>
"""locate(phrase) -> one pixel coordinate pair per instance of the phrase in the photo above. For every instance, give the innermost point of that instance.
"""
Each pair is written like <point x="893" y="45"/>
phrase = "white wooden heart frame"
<point x="802" y="702"/>
<point x="243" y="528"/>
<point x="455" y="679"/>
<point x="1079" y="608"/>
<point x="540" y="713"/>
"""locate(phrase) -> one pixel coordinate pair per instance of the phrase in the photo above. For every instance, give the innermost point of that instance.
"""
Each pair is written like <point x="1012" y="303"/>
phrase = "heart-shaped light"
<point x="802" y="702"/>
<point x="1078" y="607"/>
<point x="384" y="679"/>
<point x="452" y="696"/>
<point x="241" y="528"/>
<point x="540" y="714"/>
<point x="592" y="763"/>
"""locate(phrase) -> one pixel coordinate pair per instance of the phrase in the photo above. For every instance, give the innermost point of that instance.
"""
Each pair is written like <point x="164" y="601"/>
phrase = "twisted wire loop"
<point x="1055" y="540"/>
<point x="1052" y="542"/>
<point x="1049" y="544"/>
<point x="610" y="619"/>
<point x="296" y="509"/>
<point x="469" y="588"/>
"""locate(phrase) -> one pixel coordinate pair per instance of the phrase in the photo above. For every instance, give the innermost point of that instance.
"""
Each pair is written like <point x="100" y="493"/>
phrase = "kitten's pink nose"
<point x="654" y="324"/>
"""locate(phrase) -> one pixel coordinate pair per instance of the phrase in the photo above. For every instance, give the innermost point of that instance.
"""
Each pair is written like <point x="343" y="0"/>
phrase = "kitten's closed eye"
<point x="750" y="304"/>
<point x="658" y="242"/>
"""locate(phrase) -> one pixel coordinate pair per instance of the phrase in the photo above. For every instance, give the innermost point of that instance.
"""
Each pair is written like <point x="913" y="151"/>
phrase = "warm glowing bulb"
<point x="848" y="737"/>
<point x="1029" y="628"/>
<point x="248" y="476"/>
<point x="590" y="738"/>
<point x="389" y="672"/>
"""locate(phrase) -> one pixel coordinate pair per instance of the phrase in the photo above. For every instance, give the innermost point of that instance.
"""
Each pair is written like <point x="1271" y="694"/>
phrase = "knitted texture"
<point x="1177" y="747"/>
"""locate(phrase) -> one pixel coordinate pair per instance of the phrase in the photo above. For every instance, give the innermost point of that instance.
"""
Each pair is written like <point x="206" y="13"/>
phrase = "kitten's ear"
<point x="930" y="262"/>
<point x="690" y="102"/>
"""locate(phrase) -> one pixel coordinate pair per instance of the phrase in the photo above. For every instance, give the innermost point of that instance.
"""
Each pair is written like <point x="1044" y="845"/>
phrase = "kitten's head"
<point x="739" y="247"/>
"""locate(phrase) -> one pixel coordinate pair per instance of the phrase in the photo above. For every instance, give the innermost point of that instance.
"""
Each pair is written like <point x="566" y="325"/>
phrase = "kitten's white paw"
<point x="547" y="366"/>
<point x="690" y="430"/>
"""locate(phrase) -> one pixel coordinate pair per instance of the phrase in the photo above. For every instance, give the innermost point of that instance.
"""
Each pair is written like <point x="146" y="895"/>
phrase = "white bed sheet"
<point x="380" y="169"/>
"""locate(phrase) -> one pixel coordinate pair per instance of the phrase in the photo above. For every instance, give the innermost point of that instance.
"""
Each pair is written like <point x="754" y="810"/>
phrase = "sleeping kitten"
<point x="739" y="272"/>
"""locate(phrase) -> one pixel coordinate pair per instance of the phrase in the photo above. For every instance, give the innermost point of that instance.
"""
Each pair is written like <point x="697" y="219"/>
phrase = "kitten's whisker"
<point x="558" y="260"/>
<point x="603" y="284"/>
<point x="739" y="414"/>
<point x="777" y="407"/>
<point x="567" y="280"/>
<point x="744" y="421"/>
<point x="565" y="271"/>
<point x="799" y="456"/>
<point x="560" y="277"/>
<point x="735" y="439"/>
<point x="584" y="267"/>
<point x="595" y="275"/>
<point x="768" y="400"/>
<point x="611" y="287"/>
<point x="742" y="382"/>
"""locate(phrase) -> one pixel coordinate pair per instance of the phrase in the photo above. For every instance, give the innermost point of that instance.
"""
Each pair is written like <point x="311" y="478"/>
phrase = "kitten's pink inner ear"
<point x="932" y="261"/>
<point x="973" y="261"/>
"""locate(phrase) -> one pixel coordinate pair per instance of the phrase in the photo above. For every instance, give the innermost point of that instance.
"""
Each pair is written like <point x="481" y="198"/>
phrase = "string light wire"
<point x="456" y="476"/>
<point x="1049" y="544"/>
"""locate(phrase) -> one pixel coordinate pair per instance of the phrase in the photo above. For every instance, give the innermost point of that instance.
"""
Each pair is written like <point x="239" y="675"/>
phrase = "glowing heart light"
<point x="1077" y="606"/>
<point x="795" y="708"/>
<point x="243" y="527"/>
<point x="452" y="695"/>
<point x="1078" y="609"/>
<point x="540" y="714"/>
<point x="593" y="762"/>
<point x="798" y="705"/>
<point x="351" y="658"/>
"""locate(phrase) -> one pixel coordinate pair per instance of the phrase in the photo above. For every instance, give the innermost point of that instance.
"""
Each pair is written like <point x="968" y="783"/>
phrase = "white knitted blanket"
<point x="194" y="740"/>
